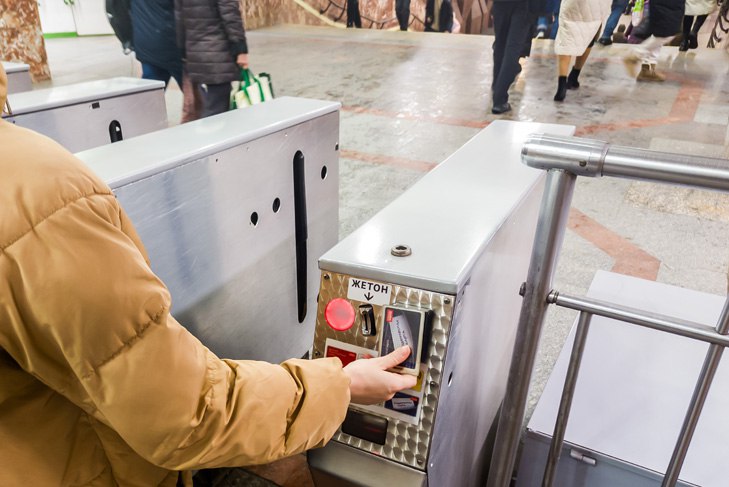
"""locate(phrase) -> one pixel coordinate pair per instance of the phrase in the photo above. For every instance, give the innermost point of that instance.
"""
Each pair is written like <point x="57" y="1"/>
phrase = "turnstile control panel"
<point x="359" y="318"/>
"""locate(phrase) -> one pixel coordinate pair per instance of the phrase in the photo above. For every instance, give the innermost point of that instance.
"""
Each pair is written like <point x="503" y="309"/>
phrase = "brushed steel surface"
<point x="406" y="443"/>
<point x="18" y="77"/>
<point x="470" y="224"/>
<point x="339" y="465"/>
<point x="79" y="120"/>
<point x="448" y="216"/>
<point x="233" y="282"/>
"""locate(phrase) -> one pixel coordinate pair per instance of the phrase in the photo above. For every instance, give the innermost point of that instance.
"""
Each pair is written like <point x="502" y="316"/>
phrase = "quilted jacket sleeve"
<point x="233" y="24"/>
<point x="93" y="323"/>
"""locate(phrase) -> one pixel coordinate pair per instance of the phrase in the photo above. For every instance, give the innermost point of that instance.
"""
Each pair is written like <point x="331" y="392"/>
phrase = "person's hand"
<point x="370" y="383"/>
<point x="242" y="60"/>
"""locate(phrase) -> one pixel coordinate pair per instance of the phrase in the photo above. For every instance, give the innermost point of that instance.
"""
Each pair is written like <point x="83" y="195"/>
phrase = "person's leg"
<point x="563" y="63"/>
<point x="150" y="71"/>
<point x="177" y="74"/>
<point x="518" y="27"/>
<point x="694" y="34"/>
<point x="216" y="99"/>
<point x="649" y="51"/>
<point x="688" y="21"/>
<point x="572" y="80"/>
<point x="402" y="11"/>
<point x="618" y="7"/>
<point x="500" y="12"/>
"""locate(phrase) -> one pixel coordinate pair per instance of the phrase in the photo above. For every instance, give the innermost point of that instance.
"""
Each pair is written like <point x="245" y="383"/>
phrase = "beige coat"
<point x="579" y="22"/>
<point x="99" y="385"/>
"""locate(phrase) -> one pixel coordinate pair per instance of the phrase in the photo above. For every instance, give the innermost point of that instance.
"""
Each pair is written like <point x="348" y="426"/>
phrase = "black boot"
<point x="561" y="88"/>
<point x="572" y="83"/>
<point x="684" y="46"/>
<point x="693" y="41"/>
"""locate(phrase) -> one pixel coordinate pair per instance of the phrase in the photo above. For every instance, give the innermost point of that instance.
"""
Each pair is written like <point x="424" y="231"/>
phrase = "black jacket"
<point x="153" y="24"/>
<point x="665" y="17"/>
<point x="211" y="35"/>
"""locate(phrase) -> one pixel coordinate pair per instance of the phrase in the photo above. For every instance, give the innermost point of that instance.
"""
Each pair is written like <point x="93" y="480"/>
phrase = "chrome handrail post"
<point x="547" y="242"/>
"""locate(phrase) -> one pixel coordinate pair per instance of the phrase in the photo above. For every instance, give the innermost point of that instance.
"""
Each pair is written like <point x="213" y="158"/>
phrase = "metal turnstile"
<point x="631" y="396"/>
<point x="234" y="211"/>
<point x="565" y="158"/>
<point x="18" y="77"/>
<point x="439" y="269"/>
<point x="86" y="115"/>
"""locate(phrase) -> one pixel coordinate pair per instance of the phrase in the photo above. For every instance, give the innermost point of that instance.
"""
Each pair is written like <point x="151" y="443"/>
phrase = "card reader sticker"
<point x="403" y="327"/>
<point x="404" y="403"/>
<point x="344" y="355"/>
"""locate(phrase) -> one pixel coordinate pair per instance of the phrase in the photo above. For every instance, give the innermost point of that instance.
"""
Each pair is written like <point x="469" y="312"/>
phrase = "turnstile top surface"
<point x="88" y="91"/>
<point x="635" y="384"/>
<point x="131" y="160"/>
<point x="447" y="216"/>
<point x="15" y="67"/>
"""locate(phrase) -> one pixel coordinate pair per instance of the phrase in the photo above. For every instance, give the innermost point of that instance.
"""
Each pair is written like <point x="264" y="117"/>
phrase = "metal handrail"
<point x="565" y="158"/>
<point x="721" y="27"/>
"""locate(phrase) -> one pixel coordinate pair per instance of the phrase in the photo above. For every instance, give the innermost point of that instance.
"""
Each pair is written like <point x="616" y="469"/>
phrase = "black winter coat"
<point x="211" y="34"/>
<point x="153" y="24"/>
<point x="665" y="17"/>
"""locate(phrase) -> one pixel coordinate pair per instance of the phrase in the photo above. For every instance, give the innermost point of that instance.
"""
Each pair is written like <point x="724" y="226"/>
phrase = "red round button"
<point x="339" y="314"/>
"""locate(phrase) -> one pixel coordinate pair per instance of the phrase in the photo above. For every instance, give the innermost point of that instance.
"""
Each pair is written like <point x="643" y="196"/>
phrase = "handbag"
<point x="250" y="90"/>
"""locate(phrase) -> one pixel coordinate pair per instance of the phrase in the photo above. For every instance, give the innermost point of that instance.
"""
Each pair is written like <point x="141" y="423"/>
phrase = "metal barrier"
<point x="565" y="158"/>
<point x="721" y="27"/>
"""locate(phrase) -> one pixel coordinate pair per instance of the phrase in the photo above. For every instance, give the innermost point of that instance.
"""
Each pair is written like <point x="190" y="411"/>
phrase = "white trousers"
<point x="650" y="49"/>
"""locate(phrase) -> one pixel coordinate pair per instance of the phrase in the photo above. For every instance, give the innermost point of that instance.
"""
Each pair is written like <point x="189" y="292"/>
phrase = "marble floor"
<point x="409" y="100"/>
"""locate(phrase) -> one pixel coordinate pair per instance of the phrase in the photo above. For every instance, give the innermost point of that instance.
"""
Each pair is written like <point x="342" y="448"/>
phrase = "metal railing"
<point x="565" y="158"/>
<point x="721" y="27"/>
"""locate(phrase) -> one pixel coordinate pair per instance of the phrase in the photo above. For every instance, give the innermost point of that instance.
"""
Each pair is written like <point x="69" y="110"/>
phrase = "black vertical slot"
<point x="301" y="231"/>
<point x="115" y="131"/>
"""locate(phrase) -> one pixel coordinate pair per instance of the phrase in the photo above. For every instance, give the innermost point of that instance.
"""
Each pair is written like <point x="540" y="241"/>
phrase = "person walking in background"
<point x="661" y="21"/>
<point x="513" y="22"/>
<point x="213" y="40"/>
<point x="693" y="19"/>
<point x="579" y="25"/>
<point x="353" y="17"/>
<point x="155" y="41"/>
<point x="402" y="12"/>
<point x="616" y="10"/>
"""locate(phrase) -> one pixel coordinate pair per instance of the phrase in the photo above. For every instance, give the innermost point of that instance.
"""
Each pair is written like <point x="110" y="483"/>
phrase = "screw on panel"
<point x="317" y="352"/>
<point x="583" y="163"/>
<point x="447" y="300"/>
<point x="401" y="251"/>
<point x="326" y="277"/>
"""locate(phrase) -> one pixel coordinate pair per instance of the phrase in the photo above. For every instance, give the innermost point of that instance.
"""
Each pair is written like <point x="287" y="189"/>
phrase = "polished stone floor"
<point x="411" y="99"/>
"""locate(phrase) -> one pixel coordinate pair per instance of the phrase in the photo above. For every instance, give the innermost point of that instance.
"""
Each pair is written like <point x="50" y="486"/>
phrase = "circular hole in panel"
<point x="324" y="172"/>
<point x="450" y="379"/>
<point x="254" y="218"/>
<point x="276" y="205"/>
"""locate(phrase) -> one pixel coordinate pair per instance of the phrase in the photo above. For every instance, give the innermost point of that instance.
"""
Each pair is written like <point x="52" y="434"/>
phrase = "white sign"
<point x="369" y="292"/>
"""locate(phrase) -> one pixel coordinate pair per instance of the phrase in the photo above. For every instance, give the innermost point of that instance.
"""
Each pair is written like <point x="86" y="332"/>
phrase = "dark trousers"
<point x="512" y="22"/>
<point x="402" y="11"/>
<point x="150" y="71"/>
<point x="216" y="99"/>
<point x="353" y="18"/>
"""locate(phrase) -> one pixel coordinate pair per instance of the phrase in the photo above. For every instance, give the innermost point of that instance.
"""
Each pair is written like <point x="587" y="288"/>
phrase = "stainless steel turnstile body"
<point x="18" y="77"/>
<point x="86" y="115"/>
<point x="215" y="204"/>
<point x="631" y="396"/>
<point x="468" y="224"/>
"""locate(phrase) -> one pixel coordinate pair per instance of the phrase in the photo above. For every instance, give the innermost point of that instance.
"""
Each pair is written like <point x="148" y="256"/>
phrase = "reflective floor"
<point x="411" y="99"/>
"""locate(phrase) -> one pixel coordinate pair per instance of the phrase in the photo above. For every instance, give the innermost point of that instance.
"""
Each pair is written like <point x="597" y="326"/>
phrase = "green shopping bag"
<point x="250" y="90"/>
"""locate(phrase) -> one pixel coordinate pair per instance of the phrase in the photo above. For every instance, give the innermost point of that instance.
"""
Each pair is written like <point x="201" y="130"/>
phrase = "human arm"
<point x="232" y="20"/>
<point x="93" y="324"/>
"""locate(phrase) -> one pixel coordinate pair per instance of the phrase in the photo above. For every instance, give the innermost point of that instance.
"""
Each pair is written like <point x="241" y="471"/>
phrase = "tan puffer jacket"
<point x="99" y="385"/>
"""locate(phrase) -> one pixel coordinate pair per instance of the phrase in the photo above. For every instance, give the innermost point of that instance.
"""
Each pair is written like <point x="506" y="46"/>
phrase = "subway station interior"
<point x="560" y="270"/>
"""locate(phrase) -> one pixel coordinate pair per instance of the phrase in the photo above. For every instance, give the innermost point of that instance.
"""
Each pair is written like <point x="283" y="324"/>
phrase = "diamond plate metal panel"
<point x="405" y="443"/>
